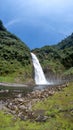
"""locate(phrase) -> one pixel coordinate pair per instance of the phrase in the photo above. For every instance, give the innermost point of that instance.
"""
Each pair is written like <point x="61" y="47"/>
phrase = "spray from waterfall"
<point x="39" y="74"/>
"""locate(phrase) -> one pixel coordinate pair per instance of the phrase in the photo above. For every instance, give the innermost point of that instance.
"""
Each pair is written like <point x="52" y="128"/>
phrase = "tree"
<point x="2" y="28"/>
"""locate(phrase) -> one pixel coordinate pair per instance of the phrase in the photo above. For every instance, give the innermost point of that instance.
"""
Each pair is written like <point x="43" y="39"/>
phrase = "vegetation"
<point x="59" y="109"/>
<point x="15" y="58"/>
<point x="57" y="58"/>
<point x="15" y="66"/>
<point x="2" y="28"/>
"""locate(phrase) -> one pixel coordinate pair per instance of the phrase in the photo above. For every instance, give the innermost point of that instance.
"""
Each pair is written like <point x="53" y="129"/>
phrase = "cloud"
<point x="33" y="11"/>
<point x="37" y="12"/>
<point x="44" y="7"/>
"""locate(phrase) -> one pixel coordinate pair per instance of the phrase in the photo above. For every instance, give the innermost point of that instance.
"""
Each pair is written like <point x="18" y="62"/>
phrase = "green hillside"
<point x="57" y="58"/>
<point x="15" y="58"/>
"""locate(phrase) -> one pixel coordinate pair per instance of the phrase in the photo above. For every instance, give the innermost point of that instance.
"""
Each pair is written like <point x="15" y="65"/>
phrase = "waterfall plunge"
<point x="39" y="74"/>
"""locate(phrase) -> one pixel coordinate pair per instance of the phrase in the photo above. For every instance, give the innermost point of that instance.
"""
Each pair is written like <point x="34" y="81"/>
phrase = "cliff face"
<point x="15" y="58"/>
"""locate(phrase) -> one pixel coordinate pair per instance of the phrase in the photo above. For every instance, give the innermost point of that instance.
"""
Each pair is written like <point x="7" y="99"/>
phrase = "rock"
<point x="59" y="88"/>
<point x="71" y="112"/>
<point x="23" y="107"/>
<point x="20" y="113"/>
<point x="1" y="105"/>
<point x="4" y="91"/>
<point x="51" y="93"/>
<point x="14" y="118"/>
<point x="19" y="95"/>
<point x="24" y="118"/>
<point x="12" y="106"/>
<point x="29" y="106"/>
<point x="13" y="112"/>
<point x="20" y="99"/>
<point x="41" y="118"/>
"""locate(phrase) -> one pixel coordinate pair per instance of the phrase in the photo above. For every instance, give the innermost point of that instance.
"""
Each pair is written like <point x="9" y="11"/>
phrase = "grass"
<point x="6" y="79"/>
<point x="59" y="109"/>
<point x="22" y="75"/>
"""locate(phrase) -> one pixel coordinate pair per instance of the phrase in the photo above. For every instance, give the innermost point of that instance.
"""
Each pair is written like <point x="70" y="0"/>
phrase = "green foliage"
<point x="20" y="74"/>
<point x="49" y="57"/>
<point x="68" y="61"/>
<point x="66" y="43"/>
<point x="14" y="55"/>
<point x="58" y="58"/>
<point x="69" y="71"/>
<point x="2" y="27"/>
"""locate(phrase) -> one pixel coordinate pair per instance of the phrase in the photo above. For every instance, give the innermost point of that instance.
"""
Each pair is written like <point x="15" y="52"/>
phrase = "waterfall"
<point x="39" y="74"/>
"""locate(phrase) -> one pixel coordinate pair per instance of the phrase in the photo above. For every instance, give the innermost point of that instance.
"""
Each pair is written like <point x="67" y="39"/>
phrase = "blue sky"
<point x="38" y="22"/>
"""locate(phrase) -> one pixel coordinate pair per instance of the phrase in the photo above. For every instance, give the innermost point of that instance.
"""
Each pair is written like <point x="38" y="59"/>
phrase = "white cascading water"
<point x="39" y="74"/>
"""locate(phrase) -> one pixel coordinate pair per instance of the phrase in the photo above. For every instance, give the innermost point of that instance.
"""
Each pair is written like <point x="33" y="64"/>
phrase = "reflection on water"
<point x="40" y="87"/>
<point x="10" y="91"/>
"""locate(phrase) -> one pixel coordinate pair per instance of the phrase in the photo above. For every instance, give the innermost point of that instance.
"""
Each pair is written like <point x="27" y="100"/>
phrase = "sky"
<point x="38" y="22"/>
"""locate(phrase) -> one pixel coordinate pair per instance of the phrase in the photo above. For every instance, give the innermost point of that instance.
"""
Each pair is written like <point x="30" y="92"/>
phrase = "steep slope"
<point x="66" y="49"/>
<point x="15" y="58"/>
<point x="66" y="43"/>
<point x="57" y="58"/>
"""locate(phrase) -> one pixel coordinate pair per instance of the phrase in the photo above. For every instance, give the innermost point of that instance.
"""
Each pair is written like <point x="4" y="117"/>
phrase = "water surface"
<point x="14" y="91"/>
